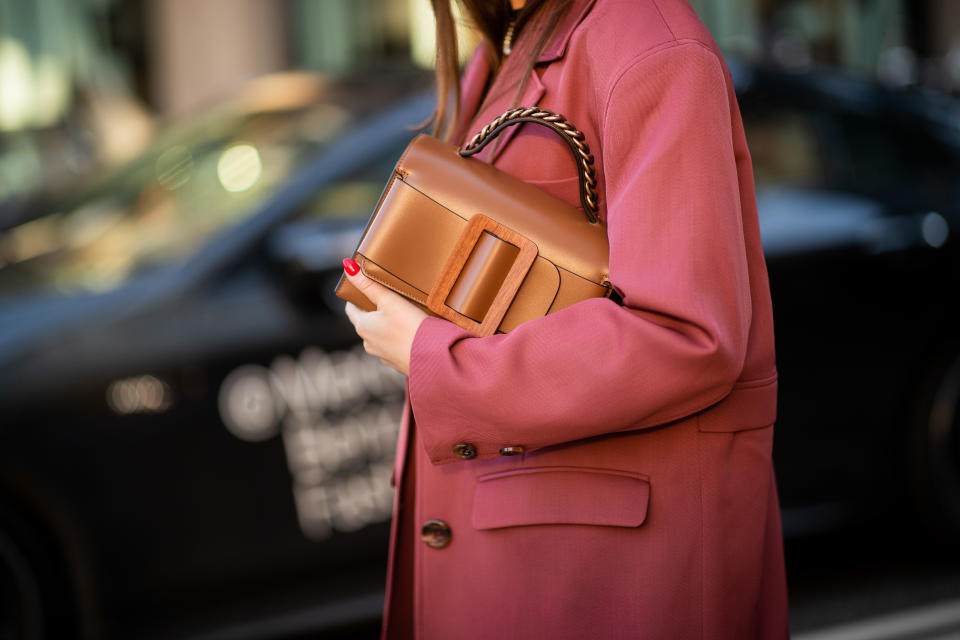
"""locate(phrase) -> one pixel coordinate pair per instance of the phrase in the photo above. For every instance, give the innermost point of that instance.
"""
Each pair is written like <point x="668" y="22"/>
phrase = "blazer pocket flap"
<point x="560" y="495"/>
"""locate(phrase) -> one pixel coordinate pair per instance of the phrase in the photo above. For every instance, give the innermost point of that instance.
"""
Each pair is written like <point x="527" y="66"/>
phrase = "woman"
<point x="642" y="503"/>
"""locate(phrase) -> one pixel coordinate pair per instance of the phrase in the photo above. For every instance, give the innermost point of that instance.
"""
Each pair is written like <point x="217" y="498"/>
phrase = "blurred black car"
<point x="859" y="194"/>
<point x="155" y="332"/>
<point x="193" y="444"/>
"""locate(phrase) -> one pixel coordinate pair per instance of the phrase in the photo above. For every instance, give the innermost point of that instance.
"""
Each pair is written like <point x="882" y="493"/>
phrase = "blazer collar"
<point x="557" y="47"/>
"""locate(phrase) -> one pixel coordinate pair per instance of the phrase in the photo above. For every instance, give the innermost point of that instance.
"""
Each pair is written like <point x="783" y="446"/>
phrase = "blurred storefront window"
<point x="898" y="42"/>
<point x="65" y="100"/>
<point x="338" y="36"/>
<point x="341" y="36"/>
<point x="45" y="47"/>
<point x="857" y="35"/>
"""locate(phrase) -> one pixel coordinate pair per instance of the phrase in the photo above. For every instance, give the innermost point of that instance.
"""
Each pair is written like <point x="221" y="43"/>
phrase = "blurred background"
<point x="192" y="444"/>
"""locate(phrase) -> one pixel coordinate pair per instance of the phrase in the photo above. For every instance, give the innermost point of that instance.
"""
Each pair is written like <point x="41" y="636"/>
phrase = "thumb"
<point x="374" y="291"/>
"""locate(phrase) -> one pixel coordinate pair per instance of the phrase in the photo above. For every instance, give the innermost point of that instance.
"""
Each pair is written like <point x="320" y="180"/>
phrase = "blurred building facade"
<point x="900" y="42"/>
<point x="177" y="54"/>
<point x="82" y="80"/>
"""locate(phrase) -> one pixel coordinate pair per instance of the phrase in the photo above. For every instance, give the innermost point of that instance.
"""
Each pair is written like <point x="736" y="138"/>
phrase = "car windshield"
<point x="208" y="172"/>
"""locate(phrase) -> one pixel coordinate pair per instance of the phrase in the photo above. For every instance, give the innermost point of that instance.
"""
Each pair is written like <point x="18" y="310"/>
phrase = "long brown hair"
<point x="490" y="18"/>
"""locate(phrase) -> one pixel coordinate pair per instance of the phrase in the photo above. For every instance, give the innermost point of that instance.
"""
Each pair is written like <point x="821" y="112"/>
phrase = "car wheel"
<point x="33" y="602"/>
<point x="934" y="453"/>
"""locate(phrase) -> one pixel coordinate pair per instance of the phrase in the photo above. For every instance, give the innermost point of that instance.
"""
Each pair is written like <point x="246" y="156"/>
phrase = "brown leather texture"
<point x="425" y="210"/>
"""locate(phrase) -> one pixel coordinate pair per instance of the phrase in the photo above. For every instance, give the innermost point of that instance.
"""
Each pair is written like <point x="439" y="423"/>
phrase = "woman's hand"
<point x="388" y="332"/>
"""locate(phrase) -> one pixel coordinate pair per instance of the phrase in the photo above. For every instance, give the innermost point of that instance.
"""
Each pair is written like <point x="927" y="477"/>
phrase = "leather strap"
<point x="589" y="198"/>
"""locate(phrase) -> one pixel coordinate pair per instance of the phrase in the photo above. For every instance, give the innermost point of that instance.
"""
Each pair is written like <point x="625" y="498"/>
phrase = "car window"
<point x="164" y="204"/>
<point x="900" y="164"/>
<point x="784" y="144"/>
<point x="357" y="195"/>
<point x="808" y="140"/>
<point x="199" y="179"/>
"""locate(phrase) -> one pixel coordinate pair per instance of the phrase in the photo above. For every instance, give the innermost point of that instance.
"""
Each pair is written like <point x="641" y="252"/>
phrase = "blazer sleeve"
<point x="677" y="258"/>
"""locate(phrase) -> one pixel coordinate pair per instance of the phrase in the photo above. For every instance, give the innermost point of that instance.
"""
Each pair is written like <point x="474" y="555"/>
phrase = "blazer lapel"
<point x="532" y="94"/>
<point x="503" y="95"/>
<point x="558" y="45"/>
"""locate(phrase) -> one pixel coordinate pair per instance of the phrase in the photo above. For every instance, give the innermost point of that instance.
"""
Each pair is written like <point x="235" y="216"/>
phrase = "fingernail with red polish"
<point x="350" y="266"/>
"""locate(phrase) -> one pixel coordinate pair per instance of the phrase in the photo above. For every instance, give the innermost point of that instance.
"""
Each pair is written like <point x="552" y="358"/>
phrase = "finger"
<point x="353" y="312"/>
<point x="370" y="348"/>
<point x="360" y="319"/>
<point x="392" y="365"/>
<point x="374" y="291"/>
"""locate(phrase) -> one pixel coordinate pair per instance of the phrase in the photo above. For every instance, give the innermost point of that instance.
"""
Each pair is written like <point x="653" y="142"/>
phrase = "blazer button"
<point x="436" y="534"/>
<point x="464" y="451"/>
<point x="511" y="451"/>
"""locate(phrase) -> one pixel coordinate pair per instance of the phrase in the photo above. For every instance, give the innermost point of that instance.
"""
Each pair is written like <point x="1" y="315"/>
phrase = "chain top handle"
<point x="589" y="198"/>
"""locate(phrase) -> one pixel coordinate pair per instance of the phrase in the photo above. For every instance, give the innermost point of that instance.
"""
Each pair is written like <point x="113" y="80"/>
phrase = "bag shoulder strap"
<point x="573" y="137"/>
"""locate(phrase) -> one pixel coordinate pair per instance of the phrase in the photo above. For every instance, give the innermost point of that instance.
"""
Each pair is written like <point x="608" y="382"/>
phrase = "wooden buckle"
<point x="459" y="255"/>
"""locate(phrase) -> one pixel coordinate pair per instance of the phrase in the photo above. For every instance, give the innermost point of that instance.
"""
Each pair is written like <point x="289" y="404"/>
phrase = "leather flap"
<point x="407" y="249"/>
<point x="468" y="186"/>
<point x="560" y="495"/>
<point x="414" y="240"/>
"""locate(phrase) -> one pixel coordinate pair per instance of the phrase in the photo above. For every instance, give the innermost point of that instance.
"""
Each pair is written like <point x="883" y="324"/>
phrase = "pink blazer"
<point x="644" y="505"/>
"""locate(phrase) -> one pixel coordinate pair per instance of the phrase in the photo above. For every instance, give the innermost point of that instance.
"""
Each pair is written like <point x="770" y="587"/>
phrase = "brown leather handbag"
<point x="478" y="246"/>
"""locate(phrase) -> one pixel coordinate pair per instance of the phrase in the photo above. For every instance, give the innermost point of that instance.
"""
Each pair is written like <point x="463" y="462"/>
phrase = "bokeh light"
<point x="239" y="168"/>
